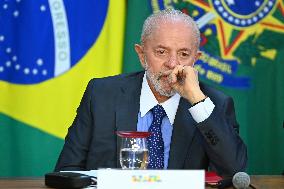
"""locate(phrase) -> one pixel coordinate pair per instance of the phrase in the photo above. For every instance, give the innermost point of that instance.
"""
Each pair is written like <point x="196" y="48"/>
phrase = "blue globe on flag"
<point x="40" y="40"/>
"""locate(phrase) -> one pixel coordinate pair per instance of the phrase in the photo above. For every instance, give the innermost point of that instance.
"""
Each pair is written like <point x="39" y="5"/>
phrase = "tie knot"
<point x="158" y="112"/>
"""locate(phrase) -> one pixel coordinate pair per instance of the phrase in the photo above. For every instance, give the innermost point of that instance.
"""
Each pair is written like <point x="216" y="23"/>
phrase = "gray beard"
<point x="156" y="82"/>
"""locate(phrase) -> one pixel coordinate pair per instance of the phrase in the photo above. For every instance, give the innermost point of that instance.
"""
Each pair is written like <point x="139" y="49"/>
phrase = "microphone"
<point x="241" y="180"/>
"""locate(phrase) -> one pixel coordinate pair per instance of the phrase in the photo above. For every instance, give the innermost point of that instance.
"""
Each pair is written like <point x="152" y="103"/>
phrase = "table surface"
<point x="259" y="182"/>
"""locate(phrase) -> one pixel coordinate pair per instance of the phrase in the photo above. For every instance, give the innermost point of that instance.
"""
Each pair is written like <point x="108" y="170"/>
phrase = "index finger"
<point x="176" y="72"/>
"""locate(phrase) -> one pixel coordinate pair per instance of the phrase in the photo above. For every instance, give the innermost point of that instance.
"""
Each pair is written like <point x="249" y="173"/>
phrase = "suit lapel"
<point x="182" y="137"/>
<point x="127" y="106"/>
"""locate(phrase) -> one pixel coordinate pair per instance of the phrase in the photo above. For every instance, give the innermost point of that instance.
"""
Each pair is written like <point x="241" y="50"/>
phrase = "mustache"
<point x="163" y="74"/>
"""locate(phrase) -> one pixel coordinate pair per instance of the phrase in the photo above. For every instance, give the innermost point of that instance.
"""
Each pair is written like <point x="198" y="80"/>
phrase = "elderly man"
<point x="193" y="126"/>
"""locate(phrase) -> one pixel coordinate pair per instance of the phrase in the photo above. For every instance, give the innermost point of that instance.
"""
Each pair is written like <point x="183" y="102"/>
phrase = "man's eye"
<point x="161" y="52"/>
<point x="184" y="54"/>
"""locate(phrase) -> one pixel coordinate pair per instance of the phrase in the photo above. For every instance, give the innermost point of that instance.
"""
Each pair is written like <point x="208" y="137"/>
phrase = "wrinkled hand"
<point x="184" y="80"/>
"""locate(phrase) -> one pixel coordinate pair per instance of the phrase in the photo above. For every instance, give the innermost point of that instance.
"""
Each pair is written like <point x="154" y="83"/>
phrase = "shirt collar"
<point x="148" y="101"/>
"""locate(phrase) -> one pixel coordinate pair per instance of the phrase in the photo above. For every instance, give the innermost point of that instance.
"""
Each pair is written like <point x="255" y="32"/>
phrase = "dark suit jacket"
<point x="111" y="104"/>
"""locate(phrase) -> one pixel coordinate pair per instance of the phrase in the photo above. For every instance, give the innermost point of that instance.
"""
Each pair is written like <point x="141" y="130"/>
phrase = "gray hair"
<point x="152" y="21"/>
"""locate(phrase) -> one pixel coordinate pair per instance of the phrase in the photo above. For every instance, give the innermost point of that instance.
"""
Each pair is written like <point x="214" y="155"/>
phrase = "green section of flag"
<point x="262" y="105"/>
<point x="137" y="12"/>
<point x="26" y="151"/>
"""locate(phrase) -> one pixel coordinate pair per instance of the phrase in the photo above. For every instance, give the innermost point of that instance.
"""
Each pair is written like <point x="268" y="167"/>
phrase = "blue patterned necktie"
<point x="155" y="140"/>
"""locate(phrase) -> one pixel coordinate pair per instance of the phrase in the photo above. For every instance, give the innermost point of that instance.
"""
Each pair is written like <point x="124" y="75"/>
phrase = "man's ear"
<point x="139" y="50"/>
<point x="198" y="54"/>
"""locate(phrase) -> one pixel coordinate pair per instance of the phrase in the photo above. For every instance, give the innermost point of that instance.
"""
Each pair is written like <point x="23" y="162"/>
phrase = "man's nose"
<point x="172" y="62"/>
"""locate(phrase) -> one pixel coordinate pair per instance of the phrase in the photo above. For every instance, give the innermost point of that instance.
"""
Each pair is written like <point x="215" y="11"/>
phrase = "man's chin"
<point x="167" y="91"/>
<point x="161" y="85"/>
<point x="167" y="88"/>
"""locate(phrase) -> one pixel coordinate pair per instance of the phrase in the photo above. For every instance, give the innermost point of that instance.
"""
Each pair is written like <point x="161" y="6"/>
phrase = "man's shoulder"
<point x="116" y="80"/>
<point x="214" y="94"/>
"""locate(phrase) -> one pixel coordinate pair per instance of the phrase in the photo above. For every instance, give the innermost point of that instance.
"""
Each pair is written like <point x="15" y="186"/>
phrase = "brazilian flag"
<point x="49" y="50"/>
<point x="242" y="44"/>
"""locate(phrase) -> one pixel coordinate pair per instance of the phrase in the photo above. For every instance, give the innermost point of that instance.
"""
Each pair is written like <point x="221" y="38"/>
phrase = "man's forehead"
<point x="170" y="33"/>
<point x="167" y="25"/>
<point x="168" y="28"/>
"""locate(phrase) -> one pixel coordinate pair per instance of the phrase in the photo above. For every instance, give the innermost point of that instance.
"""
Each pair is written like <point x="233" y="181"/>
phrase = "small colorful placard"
<point x="150" y="179"/>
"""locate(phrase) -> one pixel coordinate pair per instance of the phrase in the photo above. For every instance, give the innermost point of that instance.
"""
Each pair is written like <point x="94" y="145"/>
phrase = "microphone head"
<point x="241" y="180"/>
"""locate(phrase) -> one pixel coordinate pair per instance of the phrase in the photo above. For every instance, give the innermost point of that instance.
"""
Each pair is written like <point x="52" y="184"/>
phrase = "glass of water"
<point x="133" y="149"/>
